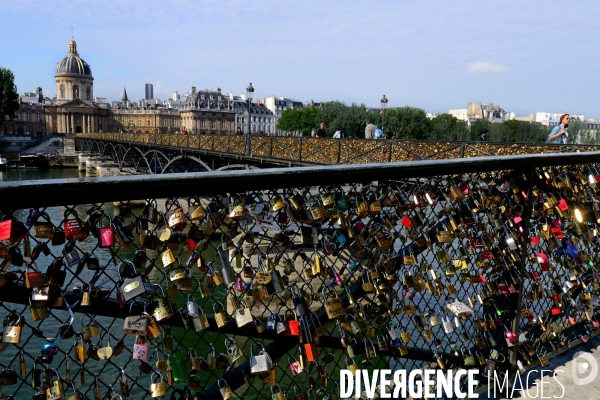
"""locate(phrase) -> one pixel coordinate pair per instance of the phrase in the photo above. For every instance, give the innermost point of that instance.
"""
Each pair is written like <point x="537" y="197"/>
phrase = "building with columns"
<point x="76" y="110"/>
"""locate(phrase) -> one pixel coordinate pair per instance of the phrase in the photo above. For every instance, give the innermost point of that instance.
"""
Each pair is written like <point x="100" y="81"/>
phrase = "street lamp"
<point x="249" y="93"/>
<point x="383" y="108"/>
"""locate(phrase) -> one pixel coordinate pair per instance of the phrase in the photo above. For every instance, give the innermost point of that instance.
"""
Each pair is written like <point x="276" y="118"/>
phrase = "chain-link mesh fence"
<point x="276" y="290"/>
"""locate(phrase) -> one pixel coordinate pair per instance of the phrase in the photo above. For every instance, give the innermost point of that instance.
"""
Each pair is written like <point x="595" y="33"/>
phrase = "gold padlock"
<point x="158" y="389"/>
<point x="224" y="389"/>
<point x="221" y="317"/>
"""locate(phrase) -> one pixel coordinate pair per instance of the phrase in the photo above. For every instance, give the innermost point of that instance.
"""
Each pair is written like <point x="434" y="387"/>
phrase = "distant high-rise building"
<point x="124" y="96"/>
<point x="149" y="91"/>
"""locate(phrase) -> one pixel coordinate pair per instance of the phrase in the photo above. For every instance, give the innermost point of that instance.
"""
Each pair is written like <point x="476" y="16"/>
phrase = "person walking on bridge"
<point x="559" y="134"/>
<point x="370" y="130"/>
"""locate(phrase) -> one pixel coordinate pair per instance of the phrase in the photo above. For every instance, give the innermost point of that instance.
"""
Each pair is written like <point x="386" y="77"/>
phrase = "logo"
<point x="584" y="364"/>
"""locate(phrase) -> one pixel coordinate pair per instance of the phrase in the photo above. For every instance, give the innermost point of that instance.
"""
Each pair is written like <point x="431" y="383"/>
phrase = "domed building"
<point x="74" y="77"/>
<point x="73" y="110"/>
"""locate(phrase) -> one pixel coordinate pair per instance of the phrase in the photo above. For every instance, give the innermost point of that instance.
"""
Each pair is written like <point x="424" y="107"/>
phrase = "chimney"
<point x="193" y="89"/>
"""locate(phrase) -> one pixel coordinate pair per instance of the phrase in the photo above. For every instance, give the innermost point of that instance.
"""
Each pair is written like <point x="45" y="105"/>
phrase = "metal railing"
<point x="514" y="239"/>
<point x="327" y="151"/>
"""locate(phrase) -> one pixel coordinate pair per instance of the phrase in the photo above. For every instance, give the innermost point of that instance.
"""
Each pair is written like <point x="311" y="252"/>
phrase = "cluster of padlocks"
<point x="465" y="269"/>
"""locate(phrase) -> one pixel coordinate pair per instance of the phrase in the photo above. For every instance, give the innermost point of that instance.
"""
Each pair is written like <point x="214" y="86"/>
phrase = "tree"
<point x="407" y="123"/>
<point x="443" y="127"/>
<point x="298" y="120"/>
<point x="9" y="98"/>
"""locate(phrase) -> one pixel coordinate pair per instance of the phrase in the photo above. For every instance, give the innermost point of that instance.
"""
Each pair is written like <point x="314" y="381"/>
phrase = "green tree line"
<point x="412" y="123"/>
<point x="9" y="98"/>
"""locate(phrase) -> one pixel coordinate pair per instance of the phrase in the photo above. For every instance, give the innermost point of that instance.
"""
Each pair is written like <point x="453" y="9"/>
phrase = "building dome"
<point x="72" y="63"/>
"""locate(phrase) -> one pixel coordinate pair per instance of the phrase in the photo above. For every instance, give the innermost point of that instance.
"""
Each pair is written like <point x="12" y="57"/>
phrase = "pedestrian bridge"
<point x="157" y="152"/>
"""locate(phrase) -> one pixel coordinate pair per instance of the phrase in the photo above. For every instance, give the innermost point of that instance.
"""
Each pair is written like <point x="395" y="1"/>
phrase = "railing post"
<point x="300" y="150"/>
<point x="339" y="151"/>
<point x="390" y="151"/>
<point x="524" y="247"/>
<point x="462" y="151"/>
<point x="271" y="146"/>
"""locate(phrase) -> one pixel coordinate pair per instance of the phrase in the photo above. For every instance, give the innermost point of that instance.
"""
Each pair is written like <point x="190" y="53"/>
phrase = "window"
<point x="62" y="91"/>
<point x="130" y="120"/>
<point x="28" y="116"/>
<point x="75" y="92"/>
<point x="222" y="124"/>
<point x="213" y="123"/>
<point x="147" y="121"/>
<point x="139" y="121"/>
<point x="203" y="122"/>
<point x="88" y="94"/>
<point x="38" y="117"/>
<point x="173" y="122"/>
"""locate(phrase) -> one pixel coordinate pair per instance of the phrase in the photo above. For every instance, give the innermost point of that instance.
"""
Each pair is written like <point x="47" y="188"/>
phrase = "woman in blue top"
<point x="559" y="134"/>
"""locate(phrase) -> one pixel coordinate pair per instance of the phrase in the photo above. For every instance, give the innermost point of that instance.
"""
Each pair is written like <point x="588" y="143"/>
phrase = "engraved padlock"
<point x="12" y="328"/>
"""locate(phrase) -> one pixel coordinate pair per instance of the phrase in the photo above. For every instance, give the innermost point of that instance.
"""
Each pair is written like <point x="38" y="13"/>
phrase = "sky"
<point x="525" y="56"/>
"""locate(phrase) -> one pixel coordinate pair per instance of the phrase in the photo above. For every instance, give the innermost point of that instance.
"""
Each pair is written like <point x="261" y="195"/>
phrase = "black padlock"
<point x="48" y="355"/>
<point x="299" y="300"/>
<point x="8" y="376"/>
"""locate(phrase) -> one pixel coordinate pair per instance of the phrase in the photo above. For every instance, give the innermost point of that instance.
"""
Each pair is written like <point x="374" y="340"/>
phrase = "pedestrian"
<point x="482" y="133"/>
<point x="559" y="134"/>
<point x="339" y="133"/>
<point x="370" y="130"/>
<point x="321" y="131"/>
<point x="239" y="131"/>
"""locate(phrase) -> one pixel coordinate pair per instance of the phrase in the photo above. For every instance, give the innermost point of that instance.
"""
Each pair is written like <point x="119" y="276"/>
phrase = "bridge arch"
<point x="181" y="157"/>
<point x="236" y="166"/>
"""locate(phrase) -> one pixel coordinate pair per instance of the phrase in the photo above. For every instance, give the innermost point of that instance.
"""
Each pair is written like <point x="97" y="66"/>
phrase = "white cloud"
<point x="481" y="67"/>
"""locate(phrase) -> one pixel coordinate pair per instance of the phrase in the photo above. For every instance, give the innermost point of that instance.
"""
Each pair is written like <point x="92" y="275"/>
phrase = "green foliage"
<point x="443" y="127"/>
<point x="412" y="123"/>
<point x="407" y="123"/>
<point x="9" y="98"/>
<point x="298" y="120"/>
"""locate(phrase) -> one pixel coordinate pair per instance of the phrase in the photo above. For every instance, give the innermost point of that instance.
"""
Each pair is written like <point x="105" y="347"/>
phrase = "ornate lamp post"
<point x="249" y="93"/>
<point x="384" y="102"/>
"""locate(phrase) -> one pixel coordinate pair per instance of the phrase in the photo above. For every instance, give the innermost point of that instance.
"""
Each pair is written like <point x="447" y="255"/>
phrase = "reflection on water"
<point x="27" y="174"/>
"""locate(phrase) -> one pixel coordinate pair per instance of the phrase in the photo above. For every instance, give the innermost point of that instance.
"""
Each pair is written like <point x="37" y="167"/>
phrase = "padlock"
<point x="168" y="258"/>
<point x="334" y="307"/>
<point x="140" y="350"/>
<point x="233" y="350"/>
<point x="259" y="362"/>
<point x="11" y="231"/>
<point x="73" y="226"/>
<point x="279" y="395"/>
<point x="38" y="310"/>
<point x="224" y="389"/>
<point x="136" y="323"/>
<point x="382" y="343"/>
<point x="132" y="286"/>
<point x="157" y="389"/>
<point x="33" y="278"/>
<point x="242" y="316"/>
<point x="292" y="326"/>
<point x="221" y="317"/>
<point x="106" y="237"/>
<point x="12" y="328"/>
<point x="200" y="321"/>
<point x="162" y="306"/>
<point x="351" y="365"/>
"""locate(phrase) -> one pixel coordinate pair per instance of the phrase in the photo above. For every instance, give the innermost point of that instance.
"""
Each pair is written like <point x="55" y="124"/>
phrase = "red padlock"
<point x="562" y="204"/>
<point x="106" y="235"/>
<point x="292" y="326"/>
<point x="11" y="231"/>
<point x="74" y="227"/>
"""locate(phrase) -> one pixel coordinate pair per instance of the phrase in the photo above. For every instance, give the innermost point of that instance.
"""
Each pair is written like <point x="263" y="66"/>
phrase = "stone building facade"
<point x="76" y="110"/>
